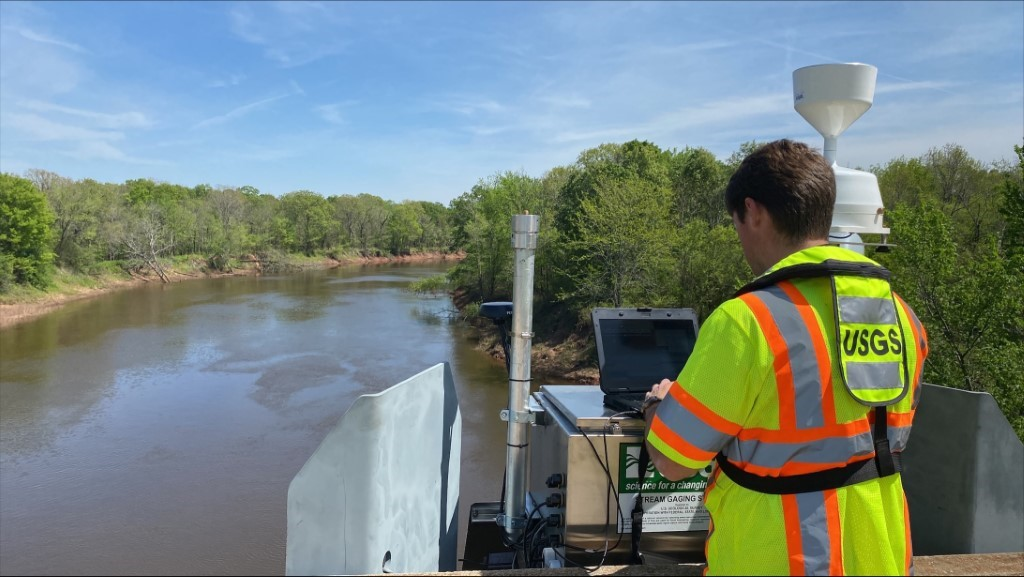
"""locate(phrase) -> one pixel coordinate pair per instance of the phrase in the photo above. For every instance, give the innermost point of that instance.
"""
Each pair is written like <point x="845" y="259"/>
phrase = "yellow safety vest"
<point x="796" y="405"/>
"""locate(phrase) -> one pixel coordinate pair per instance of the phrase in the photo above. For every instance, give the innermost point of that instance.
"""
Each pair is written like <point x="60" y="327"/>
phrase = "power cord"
<point x="528" y="543"/>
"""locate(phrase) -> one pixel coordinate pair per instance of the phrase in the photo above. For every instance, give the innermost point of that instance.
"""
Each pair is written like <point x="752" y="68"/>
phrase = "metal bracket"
<point x="510" y="522"/>
<point x="519" y="416"/>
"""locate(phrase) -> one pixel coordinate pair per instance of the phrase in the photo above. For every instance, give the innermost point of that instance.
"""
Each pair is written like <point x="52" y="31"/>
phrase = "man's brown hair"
<point x="793" y="182"/>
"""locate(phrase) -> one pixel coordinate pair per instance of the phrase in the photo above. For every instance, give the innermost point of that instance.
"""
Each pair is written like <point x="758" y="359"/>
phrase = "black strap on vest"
<point x="884" y="460"/>
<point x="816" y="270"/>
<point x="636" y="557"/>
<point x="884" y="464"/>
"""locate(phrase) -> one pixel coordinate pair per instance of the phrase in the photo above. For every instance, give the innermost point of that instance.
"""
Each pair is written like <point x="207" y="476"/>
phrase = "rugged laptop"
<point x="636" y="348"/>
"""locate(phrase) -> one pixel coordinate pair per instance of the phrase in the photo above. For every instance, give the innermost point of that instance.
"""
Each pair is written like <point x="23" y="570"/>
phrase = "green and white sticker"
<point x="668" y="505"/>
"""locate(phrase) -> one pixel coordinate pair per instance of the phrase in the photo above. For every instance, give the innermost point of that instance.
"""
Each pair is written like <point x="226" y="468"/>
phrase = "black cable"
<point x="615" y="493"/>
<point x="521" y="543"/>
<point x="527" y="540"/>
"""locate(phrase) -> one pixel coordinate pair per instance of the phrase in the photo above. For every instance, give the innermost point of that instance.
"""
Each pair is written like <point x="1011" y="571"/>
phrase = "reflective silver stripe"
<point x="867" y="310"/>
<point x="867" y="376"/>
<point x="803" y="362"/>
<point x="698" y="433"/>
<point x="775" y="455"/>
<point x="898" y="437"/>
<point x="921" y="345"/>
<point x="814" y="539"/>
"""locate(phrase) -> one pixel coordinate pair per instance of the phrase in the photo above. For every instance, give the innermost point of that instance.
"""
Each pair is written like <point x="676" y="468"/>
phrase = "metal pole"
<point x="524" y="241"/>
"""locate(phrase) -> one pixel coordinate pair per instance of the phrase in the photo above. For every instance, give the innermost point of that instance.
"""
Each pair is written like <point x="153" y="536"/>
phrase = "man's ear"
<point x="755" y="211"/>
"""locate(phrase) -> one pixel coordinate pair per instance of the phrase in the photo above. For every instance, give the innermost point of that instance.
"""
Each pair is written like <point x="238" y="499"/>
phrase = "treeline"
<point x="83" y="225"/>
<point x="634" y="225"/>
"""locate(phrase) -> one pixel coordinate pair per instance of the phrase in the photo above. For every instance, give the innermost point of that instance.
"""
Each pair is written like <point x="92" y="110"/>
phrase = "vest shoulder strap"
<point x="816" y="270"/>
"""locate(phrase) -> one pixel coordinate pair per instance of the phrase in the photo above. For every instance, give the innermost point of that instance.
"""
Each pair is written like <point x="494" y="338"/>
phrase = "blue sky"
<point x="421" y="100"/>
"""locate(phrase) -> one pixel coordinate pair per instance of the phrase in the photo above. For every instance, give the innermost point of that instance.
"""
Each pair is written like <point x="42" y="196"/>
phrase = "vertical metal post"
<point x="524" y="243"/>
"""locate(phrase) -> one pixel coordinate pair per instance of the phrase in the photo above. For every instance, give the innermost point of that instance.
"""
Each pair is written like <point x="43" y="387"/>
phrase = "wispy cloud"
<point x="43" y="38"/>
<point x="722" y="112"/>
<point x="232" y="80"/>
<point x="131" y="119"/>
<point x="237" y="112"/>
<point x="243" y="24"/>
<point x="35" y="127"/>
<point x="481" y="130"/>
<point x="332" y="113"/>
<point x="468" y="105"/>
<point x="101" y="150"/>
<point x="291" y="33"/>
<point x="911" y="85"/>
<point x="85" y="143"/>
<point x="567" y="101"/>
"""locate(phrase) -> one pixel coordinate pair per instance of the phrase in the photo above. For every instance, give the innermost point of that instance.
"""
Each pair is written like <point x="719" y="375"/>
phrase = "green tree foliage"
<point x="698" y="182"/>
<point x="1013" y="209"/>
<point x="905" y="182"/>
<point x="306" y="218"/>
<point x="140" y="222"/>
<point x="483" y="224"/>
<point x="436" y="231"/>
<point x="744" y="151"/>
<point x="621" y="254"/>
<point x="606" y="164"/>
<point x="26" y="236"/>
<point x="968" y="192"/>
<point x="363" y="221"/>
<point x="710" y="266"/>
<point x="404" y="227"/>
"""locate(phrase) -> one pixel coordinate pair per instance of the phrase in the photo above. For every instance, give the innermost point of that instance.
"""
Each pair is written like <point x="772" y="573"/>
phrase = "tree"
<point x="260" y="213"/>
<point x="482" y="220"/>
<point x="969" y="194"/>
<point x="25" y="234"/>
<point x="606" y="163"/>
<point x="404" y="227"/>
<point x="711" y="266"/>
<point x="307" y="216"/>
<point x="436" y="233"/>
<point x="145" y="238"/>
<point x="698" y="181"/>
<point x="228" y="209"/>
<point x="1013" y="208"/>
<point x="621" y="255"/>
<point x="745" y="150"/>
<point x="903" y="181"/>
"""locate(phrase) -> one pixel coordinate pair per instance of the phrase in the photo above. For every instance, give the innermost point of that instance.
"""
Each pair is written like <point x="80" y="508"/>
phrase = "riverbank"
<point x="29" y="303"/>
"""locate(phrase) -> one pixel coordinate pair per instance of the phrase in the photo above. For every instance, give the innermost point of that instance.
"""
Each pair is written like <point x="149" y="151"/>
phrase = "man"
<point x="802" y="388"/>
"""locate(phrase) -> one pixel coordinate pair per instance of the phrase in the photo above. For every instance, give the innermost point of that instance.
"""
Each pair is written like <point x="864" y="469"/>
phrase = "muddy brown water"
<point x="155" y="430"/>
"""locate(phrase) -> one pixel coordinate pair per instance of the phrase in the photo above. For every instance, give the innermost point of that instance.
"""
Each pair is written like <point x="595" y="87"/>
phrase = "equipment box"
<point x="584" y="478"/>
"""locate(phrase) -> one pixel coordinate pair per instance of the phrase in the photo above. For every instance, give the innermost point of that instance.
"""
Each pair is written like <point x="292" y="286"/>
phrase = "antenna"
<point x="831" y="97"/>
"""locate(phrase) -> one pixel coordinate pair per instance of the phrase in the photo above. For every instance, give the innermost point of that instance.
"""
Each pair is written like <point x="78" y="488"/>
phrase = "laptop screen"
<point x="638" y="347"/>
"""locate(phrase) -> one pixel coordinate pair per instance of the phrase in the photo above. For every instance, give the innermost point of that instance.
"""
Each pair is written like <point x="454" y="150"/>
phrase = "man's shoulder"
<point x="732" y="316"/>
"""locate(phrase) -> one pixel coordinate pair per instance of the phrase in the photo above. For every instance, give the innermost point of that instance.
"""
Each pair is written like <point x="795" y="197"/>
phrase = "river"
<point x="156" y="430"/>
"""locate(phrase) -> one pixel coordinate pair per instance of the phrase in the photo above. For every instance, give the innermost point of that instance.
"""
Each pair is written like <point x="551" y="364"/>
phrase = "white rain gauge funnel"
<point x="831" y="97"/>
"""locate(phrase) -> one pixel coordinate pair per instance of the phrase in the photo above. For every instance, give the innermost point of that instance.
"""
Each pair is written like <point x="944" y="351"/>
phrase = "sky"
<point x="423" y="100"/>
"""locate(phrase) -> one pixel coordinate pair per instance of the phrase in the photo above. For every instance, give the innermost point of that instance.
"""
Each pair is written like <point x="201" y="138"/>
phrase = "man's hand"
<point x="661" y="389"/>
